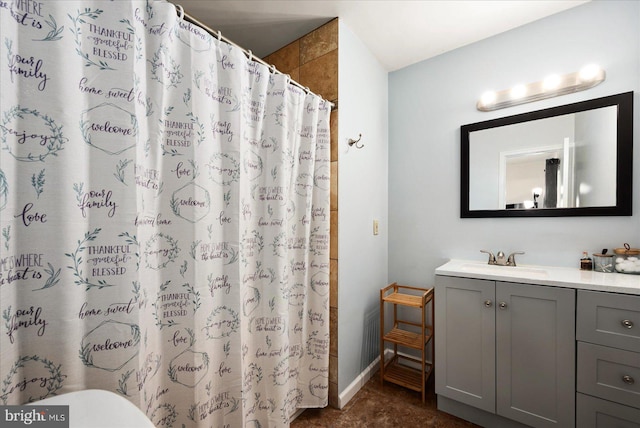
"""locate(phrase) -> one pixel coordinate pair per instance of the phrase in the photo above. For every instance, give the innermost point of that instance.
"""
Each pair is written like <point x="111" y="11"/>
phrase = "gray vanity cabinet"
<point x="507" y="349"/>
<point x="465" y="341"/>
<point x="535" y="354"/>
<point x="608" y="374"/>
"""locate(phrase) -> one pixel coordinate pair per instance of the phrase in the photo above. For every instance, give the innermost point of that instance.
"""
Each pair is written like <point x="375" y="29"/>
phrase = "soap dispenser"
<point x="585" y="262"/>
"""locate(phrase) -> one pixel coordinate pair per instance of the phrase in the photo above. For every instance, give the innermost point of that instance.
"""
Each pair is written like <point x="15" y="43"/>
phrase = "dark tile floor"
<point x="388" y="406"/>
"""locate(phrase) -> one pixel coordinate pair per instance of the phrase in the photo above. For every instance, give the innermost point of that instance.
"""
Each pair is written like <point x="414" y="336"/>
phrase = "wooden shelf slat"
<point x="408" y="338"/>
<point x="404" y="299"/>
<point x="405" y="376"/>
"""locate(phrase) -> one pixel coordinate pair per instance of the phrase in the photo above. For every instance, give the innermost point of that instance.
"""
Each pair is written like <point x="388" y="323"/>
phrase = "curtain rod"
<point x="218" y="35"/>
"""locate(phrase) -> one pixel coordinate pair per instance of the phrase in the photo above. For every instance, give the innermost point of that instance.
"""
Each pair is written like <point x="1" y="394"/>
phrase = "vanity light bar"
<point x="553" y="86"/>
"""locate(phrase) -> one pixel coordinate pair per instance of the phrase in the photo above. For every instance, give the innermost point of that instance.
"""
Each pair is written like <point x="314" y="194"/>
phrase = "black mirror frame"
<point x="624" y="160"/>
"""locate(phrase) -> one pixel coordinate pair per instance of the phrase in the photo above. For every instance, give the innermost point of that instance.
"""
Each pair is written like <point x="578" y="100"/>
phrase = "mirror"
<point x="571" y="160"/>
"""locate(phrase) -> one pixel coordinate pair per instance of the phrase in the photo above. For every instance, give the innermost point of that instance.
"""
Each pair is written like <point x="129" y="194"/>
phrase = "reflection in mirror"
<point x="568" y="160"/>
<point x="558" y="162"/>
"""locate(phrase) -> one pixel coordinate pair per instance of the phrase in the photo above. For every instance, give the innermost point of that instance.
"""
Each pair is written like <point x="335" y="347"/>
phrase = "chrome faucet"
<point x="511" y="261"/>
<point x="500" y="259"/>
<point x="492" y="258"/>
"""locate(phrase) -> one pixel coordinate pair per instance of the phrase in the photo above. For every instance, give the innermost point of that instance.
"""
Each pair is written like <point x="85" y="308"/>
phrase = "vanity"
<point x="537" y="346"/>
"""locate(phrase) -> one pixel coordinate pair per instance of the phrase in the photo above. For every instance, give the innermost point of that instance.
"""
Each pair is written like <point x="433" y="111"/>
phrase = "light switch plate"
<point x="375" y="227"/>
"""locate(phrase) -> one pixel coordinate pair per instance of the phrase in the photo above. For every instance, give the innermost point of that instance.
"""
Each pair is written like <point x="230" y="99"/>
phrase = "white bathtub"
<point x="95" y="408"/>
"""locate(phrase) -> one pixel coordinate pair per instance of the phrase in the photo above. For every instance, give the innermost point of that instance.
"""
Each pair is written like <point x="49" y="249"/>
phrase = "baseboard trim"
<point x="297" y="413"/>
<point x="354" y="387"/>
<point x="350" y="391"/>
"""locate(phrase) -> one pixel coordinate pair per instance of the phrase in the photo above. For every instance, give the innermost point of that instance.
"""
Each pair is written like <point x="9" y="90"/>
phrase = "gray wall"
<point x="429" y="101"/>
<point x="362" y="197"/>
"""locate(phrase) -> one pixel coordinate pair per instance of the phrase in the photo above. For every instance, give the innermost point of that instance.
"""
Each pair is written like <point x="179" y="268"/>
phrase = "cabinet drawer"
<point x="593" y="412"/>
<point x="609" y="373"/>
<point x="609" y="319"/>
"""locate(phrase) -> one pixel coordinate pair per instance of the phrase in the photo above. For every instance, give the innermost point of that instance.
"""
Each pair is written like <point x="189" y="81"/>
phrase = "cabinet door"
<point x="465" y="341"/>
<point x="535" y="354"/>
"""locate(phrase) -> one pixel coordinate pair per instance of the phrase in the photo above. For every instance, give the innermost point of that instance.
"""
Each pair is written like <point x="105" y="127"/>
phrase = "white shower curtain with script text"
<point x="164" y="218"/>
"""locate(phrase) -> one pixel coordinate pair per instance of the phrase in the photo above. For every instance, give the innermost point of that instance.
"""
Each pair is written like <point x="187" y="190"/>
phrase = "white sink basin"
<point x="515" y="271"/>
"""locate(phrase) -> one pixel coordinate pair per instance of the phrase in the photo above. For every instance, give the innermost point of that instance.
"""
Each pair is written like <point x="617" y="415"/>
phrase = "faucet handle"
<point x="492" y="258"/>
<point x="511" y="261"/>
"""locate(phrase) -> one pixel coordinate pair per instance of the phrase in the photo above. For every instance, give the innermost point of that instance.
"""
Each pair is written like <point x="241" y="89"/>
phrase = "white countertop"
<point x="544" y="275"/>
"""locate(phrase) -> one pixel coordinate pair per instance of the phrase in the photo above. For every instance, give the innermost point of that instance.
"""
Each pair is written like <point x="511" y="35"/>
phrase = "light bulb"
<point x="551" y="82"/>
<point x="518" y="91"/>
<point x="589" y="72"/>
<point x="488" y="98"/>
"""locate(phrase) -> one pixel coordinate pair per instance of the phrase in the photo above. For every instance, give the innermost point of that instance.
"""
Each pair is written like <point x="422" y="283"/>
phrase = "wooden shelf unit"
<point x="403" y="369"/>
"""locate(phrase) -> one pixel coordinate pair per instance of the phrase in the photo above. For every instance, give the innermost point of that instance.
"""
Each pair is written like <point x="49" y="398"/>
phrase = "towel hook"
<point x="351" y="142"/>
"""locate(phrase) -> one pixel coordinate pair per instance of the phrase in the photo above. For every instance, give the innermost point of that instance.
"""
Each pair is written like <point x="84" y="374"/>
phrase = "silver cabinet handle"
<point x="628" y="380"/>
<point x="627" y="323"/>
<point x="502" y="305"/>
<point x="488" y="303"/>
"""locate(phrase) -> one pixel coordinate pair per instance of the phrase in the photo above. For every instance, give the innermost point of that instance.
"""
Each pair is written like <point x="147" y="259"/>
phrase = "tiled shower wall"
<point x="312" y="61"/>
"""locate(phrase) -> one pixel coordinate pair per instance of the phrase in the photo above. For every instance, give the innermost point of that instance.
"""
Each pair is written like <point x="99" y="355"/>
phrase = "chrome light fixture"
<point x="552" y="86"/>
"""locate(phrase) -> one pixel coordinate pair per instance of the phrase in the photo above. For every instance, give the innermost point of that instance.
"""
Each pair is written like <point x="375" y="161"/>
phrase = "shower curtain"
<point x="164" y="218"/>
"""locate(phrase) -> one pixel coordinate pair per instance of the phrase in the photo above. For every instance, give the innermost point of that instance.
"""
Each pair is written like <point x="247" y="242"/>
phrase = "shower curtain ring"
<point x="219" y="35"/>
<point x="181" y="11"/>
<point x="250" y="55"/>
<point x="272" y="69"/>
